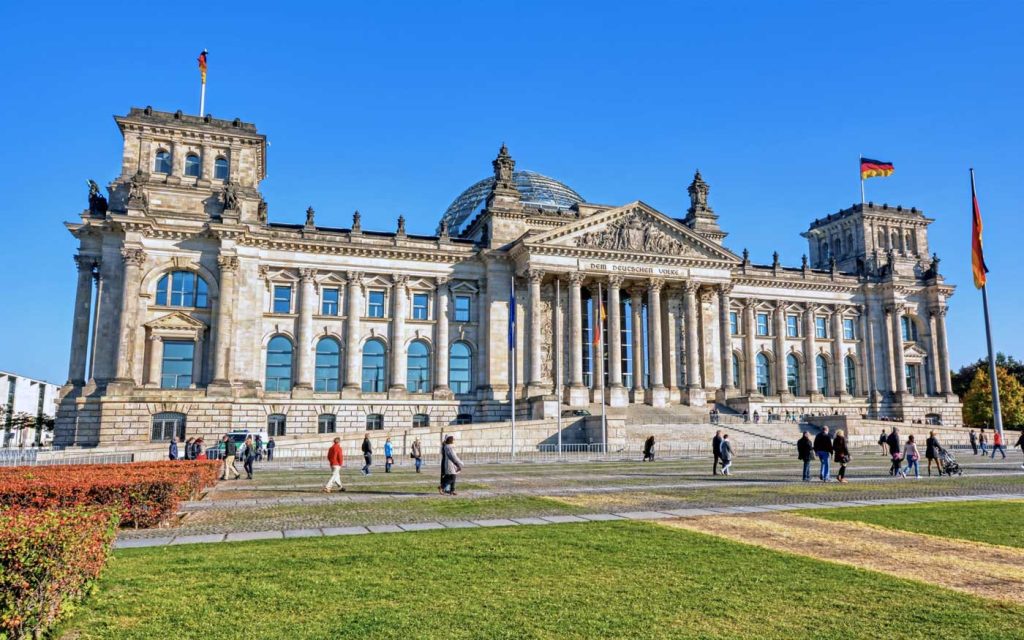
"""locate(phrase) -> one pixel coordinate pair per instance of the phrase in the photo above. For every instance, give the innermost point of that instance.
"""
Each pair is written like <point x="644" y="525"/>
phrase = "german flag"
<point x="202" y="64"/>
<point x="601" y="317"/>
<point x="977" y="252"/>
<point x="875" y="169"/>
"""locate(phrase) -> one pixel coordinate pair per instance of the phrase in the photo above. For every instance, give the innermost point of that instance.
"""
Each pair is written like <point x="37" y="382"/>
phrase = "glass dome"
<point x="535" y="190"/>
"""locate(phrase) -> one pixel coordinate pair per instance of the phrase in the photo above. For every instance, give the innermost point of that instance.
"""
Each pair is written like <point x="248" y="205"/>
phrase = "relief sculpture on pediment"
<point x="633" y="233"/>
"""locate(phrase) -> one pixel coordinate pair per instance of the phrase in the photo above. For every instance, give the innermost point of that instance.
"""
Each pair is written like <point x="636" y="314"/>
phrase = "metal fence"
<point x="36" y="458"/>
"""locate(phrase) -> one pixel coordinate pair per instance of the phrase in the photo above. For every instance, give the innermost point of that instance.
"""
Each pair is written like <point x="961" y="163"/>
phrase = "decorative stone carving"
<point x="615" y="282"/>
<point x="441" y="281"/>
<point x="547" y="333"/>
<point x="133" y="256"/>
<point x="306" y="274"/>
<point x="401" y="225"/>
<point x="698" y="191"/>
<point x="137" y="198"/>
<point x="97" y="203"/>
<point x="263" y="271"/>
<point x="231" y="195"/>
<point x="725" y="289"/>
<point x="575" y="277"/>
<point x="534" y="276"/>
<point x="310" y="217"/>
<point x="633" y="232"/>
<point x="504" y="166"/>
<point x="357" y="224"/>
<point x="261" y="211"/>
<point x="444" y="229"/>
<point x="400" y="279"/>
<point x="655" y="284"/>
<point x="227" y="263"/>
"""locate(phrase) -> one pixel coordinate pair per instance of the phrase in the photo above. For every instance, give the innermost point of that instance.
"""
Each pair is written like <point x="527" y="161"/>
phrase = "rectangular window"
<point x="792" y="327"/>
<point x="282" y="299"/>
<point x="762" y="324"/>
<point x="462" y="308"/>
<point x="420" y="306"/>
<point x="848" y="330"/>
<point x="177" y="364"/>
<point x="374" y="422"/>
<point x="329" y="302"/>
<point x="464" y="418"/>
<point x="819" y="327"/>
<point x="375" y="305"/>
<point x="734" y="323"/>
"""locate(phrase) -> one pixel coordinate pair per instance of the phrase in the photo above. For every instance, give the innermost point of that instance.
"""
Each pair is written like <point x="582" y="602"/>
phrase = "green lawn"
<point x="991" y="522"/>
<point x="595" y="580"/>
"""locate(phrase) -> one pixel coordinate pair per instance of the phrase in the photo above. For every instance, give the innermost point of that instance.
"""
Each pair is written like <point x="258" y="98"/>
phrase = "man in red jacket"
<point x="335" y="459"/>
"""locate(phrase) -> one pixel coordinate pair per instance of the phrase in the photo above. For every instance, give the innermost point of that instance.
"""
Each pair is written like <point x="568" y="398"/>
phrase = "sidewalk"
<point x="243" y="536"/>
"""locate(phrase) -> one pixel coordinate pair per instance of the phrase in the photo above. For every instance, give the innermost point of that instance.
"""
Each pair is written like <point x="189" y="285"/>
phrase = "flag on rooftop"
<point x="202" y="65"/>
<point x="875" y="168"/>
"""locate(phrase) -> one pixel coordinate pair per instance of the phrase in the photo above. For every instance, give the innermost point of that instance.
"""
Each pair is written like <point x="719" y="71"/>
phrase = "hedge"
<point x="144" y="494"/>
<point x="48" y="560"/>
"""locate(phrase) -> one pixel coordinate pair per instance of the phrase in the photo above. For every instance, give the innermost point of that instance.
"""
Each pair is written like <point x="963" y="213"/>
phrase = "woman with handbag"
<point x="911" y="456"/>
<point x="417" y="453"/>
<point x="841" y="453"/>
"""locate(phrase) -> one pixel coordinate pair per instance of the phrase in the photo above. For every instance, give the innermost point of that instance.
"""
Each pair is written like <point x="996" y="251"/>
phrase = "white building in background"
<point x="23" y="395"/>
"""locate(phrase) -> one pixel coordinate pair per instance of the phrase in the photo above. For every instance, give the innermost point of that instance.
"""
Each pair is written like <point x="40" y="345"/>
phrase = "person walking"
<point x="649" y="449"/>
<point x="172" y="451"/>
<point x="726" y="454"/>
<point x="823" y="449"/>
<point x="270" y="449"/>
<point x="973" y="437"/>
<point x="716" y="451"/>
<point x="258" y="443"/>
<point x="230" y="451"/>
<point x="1020" y="443"/>
<point x="188" y="449"/>
<point x="417" y="453"/>
<point x="200" y="453"/>
<point x="911" y="455"/>
<point x="882" y="442"/>
<point x="997" y="445"/>
<point x="335" y="460"/>
<point x="842" y="454"/>
<point x="248" y="455"/>
<point x="450" y="466"/>
<point x="367" y="454"/>
<point x="389" y="458"/>
<point x="983" y="442"/>
<point x="931" y="452"/>
<point x="805" y="453"/>
<point x="893" y="442"/>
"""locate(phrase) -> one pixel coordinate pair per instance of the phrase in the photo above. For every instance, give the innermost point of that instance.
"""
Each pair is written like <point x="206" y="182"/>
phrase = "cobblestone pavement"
<point x="289" y="498"/>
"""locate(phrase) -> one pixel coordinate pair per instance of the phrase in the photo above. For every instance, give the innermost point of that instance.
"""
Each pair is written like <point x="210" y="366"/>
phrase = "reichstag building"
<point x="195" y="313"/>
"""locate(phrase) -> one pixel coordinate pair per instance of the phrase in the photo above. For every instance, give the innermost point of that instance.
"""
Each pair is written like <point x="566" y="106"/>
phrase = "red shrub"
<point x="48" y="559"/>
<point x="144" y="494"/>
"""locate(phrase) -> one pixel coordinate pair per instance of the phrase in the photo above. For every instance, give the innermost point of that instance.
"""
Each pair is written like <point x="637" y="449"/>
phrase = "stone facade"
<point x="192" y="305"/>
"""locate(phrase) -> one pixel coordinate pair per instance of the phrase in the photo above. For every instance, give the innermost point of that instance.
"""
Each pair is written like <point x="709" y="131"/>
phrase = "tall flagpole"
<point x="512" y="341"/>
<point x="600" y="355"/>
<point x="202" y="99"/>
<point x="202" y="91"/>
<point x="861" y="174"/>
<point x="558" y="359"/>
<point x="997" y="414"/>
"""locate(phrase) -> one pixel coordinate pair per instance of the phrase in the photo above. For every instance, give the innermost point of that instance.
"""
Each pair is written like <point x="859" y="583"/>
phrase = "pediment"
<point x="914" y="352"/>
<point x="634" y="229"/>
<point x="175" y="321"/>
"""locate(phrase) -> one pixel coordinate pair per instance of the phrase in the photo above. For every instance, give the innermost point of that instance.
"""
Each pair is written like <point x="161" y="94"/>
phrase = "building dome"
<point x="535" y="190"/>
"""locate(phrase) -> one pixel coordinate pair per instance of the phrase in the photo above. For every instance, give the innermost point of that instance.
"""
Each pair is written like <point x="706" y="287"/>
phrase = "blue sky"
<point x="394" y="108"/>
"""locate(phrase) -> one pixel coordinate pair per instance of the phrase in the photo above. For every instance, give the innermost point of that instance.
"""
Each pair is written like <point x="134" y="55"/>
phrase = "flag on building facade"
<point x="875" y="169"/>
<point x="512" y="316"/>
<point x="202" y="64"/>
<point x="977" y="252"/>
<point x="600" y="322"/>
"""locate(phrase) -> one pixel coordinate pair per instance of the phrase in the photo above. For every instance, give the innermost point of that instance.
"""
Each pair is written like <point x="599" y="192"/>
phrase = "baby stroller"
<point x="949" y="463"/>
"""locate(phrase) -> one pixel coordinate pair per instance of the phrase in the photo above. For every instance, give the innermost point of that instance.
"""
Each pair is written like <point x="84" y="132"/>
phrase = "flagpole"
<point x="202" y="99"/>
<point x="861" y="174"/>
<point x="600" y="355"/>
<point x="558" y="360"/>
<point x="512" y="338"/>
<point x="997" y="414"/>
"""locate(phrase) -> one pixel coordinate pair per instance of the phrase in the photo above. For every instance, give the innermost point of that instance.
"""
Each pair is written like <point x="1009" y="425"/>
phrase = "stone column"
<point x="441" y="388"/>
<point x="134" y="258"/>
<point x="899" y="363"/>
<point x="80" y="328"/>
<point x="779" y="322"/>
<point x="398" y="360"/>
<point x="578" y="393"/>
<point x="635" y="305"/>
<point x="942" y="346"/>
<point x="867" y="355"/>
<point x="353" y="382"/>
<point x="304" y="332"/>
<point x="810" y="354"/>
<point x="724" y="304"/>
<point x="657" y="395"/>
<point x="618" y="396"/>
<point x="597" y="361"/>
<point x="225" y="322"/>
<point x="98" y="277"/>
<point x="670" y="343"/>
<point x="694" y="392"/>
<point x="838" y="354"/>
<point x="156" y="361"/>
<point x="536" y="342"/>
<point x="749" y="357"/>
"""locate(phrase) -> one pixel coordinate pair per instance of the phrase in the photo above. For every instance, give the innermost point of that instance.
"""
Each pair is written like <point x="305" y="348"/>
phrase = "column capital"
<point x="637" y="291"/>
<point x="133" y="256"/>
<point x="307" y="274"/>
<point x="690" y="287"/>
<point x="227" y="263"/>
<point x="615" y="281"/>
<point x="86" y="263"/>
<point x="575" y="278"/>
<point x="938" y="312"/>
<point x="441" y="282"/>
<point x="400" y="280"/>
<point x="155" y="338"/>
<point x="725" y="289"/>
<point x="891" y="309"/>
<point x="534" y="276"/>
<point x="355" y="277"/>
<point x="749" y="303"/>
<point x="655" y="284"/>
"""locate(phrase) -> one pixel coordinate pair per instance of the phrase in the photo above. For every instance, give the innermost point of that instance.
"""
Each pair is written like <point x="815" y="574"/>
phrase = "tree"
<point x="978" y="399"/>
<point x="962" y="379"/>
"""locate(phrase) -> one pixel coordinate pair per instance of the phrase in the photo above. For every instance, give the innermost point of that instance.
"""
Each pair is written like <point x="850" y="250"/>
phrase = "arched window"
<point x="279" y="364"/>
<point x="220" y="168"/>
<point x="821" y="369"/>
<point x="162" y="162"/>
<point x="851" y="376"/>
<point x="418" y="378"/>
<point x="460" y="368"/>
<point x="276" y="424"/>
<point x="182" y="289"/>
<point x="735" y="370"/>
<point x="192" y="165"/>
<point x="374" y="366"/>
<point x="764" y="374"/>
<point x="420" y="420"/>
<point x="793" y="374"/>
<point x="328" y="360"/>
<point x="168" y="425"/>
<point x="326" y="423"/>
